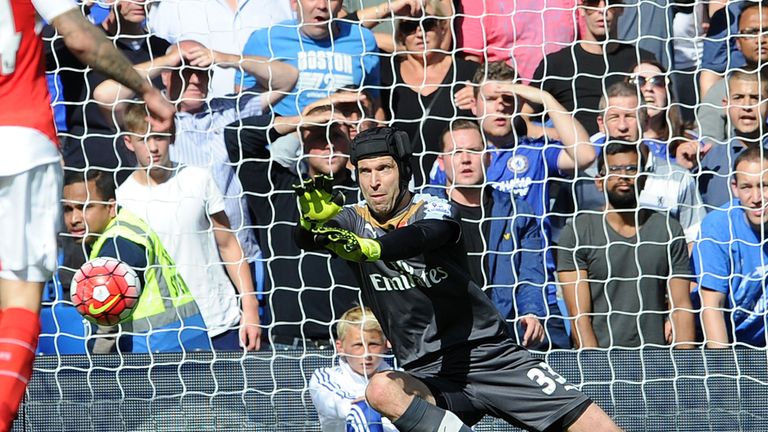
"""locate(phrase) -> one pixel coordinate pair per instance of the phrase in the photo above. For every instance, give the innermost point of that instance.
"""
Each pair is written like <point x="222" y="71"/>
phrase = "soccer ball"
<point x="105" y="291"/>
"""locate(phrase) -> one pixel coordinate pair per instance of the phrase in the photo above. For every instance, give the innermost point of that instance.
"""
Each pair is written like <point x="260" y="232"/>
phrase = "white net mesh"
<point x="615" y="282"/>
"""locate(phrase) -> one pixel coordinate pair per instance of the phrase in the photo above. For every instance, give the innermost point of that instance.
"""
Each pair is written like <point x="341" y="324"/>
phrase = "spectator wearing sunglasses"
<point x="425" y="86"/>
<point x="625" y="269"/>
<point x="752" y="43"/>
<point x="380" y="17"/>
<point x="578" y="75"/>
<point x="662" y="125"/>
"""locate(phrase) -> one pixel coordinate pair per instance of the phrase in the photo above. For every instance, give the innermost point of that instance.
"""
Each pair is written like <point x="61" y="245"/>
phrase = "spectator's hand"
<point x="668" y="331"/>
<point x="405" y="7"/>
<point x="202" y="57"/>
<point x="534" y="331"/>
<point x="173" y="55"/>
<point x="528" y="93"/>
<point x="322" y="119"/>
<point x="286" y="125"/>
<point x="347" y="245"/>
<point x="690" y="153"/>
<point x="318" y="202"/>
<point x="464" y="99"/>
<point x="161" y="112"/>
<point x="176" y="53"/>
<point x="337" y="99"/>
<point x="250" y="331"/>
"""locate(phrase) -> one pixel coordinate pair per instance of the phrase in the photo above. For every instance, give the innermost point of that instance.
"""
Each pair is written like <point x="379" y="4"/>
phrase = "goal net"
<point x="631" y="304"/>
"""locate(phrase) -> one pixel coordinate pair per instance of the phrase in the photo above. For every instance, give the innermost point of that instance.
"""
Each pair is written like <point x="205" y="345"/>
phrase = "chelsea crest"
<point x="518" y="164"/>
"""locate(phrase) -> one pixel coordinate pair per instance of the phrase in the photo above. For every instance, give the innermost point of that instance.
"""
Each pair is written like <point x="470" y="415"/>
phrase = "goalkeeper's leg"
<point x="409" y="404"/>
<point x="19" y="332"/>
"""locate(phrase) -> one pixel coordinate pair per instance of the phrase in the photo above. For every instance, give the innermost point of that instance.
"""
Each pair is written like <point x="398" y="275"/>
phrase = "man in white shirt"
<point x="221" y="25"/>
<point x="339" y="392"/>
<point x="185" y="208"/>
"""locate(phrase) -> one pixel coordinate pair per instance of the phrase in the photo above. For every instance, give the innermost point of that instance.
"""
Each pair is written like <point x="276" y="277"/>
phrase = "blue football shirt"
<point x="348" y="59"/>
<point x="524" y="169"/>
<point x="730" y="257"/>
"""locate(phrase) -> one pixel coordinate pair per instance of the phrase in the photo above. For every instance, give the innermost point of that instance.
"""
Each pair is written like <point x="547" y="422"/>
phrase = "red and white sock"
<point x="19" y="331"/>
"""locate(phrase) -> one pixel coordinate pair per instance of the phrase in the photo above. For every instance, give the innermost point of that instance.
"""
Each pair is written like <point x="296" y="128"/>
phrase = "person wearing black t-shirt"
<point x="503" y="239"/>
<point x="425" y="87"/>
<point x="91" y="138"/>
<point x="408" y="254"/>
<point x="578" y="75"/>
<point x="306" y="292"/>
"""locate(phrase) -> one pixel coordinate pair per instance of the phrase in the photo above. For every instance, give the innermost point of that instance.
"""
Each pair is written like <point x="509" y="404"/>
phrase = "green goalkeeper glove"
<point x="318" y="202"/>
<point x="347" y="245"/>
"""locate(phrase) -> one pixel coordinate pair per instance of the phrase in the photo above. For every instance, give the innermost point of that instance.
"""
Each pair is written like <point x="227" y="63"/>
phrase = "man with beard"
<point x="667" y="187"/>
<point x="625" y="269"/>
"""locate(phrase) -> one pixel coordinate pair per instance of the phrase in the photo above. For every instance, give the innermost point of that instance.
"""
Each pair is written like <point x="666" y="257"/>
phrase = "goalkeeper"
<point x="409" y="257"/>
<point x="166" y="318"/>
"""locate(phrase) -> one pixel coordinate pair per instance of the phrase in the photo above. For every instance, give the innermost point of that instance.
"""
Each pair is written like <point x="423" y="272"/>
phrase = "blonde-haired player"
<point x="339" y="392"/>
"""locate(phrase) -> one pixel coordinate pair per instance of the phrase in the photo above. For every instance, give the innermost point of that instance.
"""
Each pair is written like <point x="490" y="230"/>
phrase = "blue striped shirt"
<point x="200" y="142"/>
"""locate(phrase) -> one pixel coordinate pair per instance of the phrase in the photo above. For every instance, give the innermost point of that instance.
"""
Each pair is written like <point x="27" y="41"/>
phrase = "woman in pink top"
<point x="525" y="30"/>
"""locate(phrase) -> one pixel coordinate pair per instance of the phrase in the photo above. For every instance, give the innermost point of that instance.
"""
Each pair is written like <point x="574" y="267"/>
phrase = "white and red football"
<point x="105" y="291"/>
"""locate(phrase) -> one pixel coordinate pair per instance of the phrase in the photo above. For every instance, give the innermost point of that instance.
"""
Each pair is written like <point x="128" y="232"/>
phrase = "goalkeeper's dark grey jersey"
<point x="427" y="304"/>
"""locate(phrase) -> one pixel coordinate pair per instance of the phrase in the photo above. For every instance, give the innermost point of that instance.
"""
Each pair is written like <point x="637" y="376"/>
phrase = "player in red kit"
<point x="30" y="170"/>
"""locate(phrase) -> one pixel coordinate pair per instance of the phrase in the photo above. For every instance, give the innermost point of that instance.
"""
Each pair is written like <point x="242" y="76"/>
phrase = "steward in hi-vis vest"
<point x="166" y="317"/>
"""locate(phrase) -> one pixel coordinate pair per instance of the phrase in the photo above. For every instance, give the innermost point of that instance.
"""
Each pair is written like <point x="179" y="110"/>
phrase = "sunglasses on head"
<point x="410" y="26"/>
<point x="656" y="81"/>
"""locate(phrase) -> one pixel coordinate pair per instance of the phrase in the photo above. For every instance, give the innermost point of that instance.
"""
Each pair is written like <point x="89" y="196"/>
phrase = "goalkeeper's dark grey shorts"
<point x="503" y="380"/>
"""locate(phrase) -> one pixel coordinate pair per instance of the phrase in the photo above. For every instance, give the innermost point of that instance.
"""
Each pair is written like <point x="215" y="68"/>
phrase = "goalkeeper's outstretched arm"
<point x="402" y="243"/>
<point x="422" y="236"/>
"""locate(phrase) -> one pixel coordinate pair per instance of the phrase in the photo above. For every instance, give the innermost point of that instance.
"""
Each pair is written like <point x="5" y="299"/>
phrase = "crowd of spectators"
<point x="606" y="157"/>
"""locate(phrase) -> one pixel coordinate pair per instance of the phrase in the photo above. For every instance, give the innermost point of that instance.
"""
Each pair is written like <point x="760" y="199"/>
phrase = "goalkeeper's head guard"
<point x="385" y="141"/>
